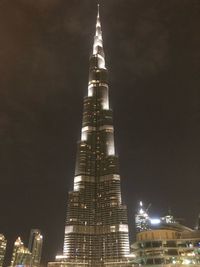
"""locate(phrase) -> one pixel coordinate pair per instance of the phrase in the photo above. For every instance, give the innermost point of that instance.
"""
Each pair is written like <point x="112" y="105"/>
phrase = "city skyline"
<point x="19" y="254"/>
<point x="154" y="86"/>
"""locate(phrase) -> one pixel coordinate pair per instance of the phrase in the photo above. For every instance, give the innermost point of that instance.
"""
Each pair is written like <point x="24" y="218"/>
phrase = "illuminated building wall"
<point x="21" y="255"/>
<point x="141" y="219"/>
<point x="18" y="243"/>
<point x="96" y="232"/>
<point x="178" y="246"/>
<point x="145" y="222"/>
<point x="3" y="243"/>
<point x="35" y="246"/>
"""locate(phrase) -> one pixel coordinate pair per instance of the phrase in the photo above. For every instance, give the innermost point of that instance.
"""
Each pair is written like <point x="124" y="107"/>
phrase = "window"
<point x="158" y="261"/>
<point x="172" y="252"/>
<point x="171" y="244"/>
<point x="156" y="244"/>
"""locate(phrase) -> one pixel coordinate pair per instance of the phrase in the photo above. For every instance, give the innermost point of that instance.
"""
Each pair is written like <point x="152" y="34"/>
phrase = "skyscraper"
<point x="3" y="243"/>
<point x="21" y="255"/>
<point x="35" y="247"/>
<point x="96" y="231"/>
<point x="17" y="245"/>
<point x="30" y="256"/>
<point x="141" y="218"/>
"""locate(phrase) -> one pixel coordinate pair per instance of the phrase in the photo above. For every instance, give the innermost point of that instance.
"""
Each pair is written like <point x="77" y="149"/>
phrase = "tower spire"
<point x="98" y="24"/>
<point x="98" y="41"/>
<point x="97" y="10"/>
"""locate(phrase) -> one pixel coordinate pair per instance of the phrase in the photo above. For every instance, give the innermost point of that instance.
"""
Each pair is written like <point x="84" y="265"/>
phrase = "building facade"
<point x="96" y="231"/>
<point x="21" y="255"/>
<point x="35" y="247"/>
<point x="142" y="220"/>
<point x="37" y="251"/>
<point x="31" y="256"/>
<point x="3" y="243"/>
<point x="169" y="245"/>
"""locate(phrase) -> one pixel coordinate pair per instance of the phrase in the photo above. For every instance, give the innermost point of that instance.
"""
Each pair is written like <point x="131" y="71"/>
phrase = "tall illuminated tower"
<point x="21" y="255"/>
<point x="17" y="246"/>
<point x="35" y="247"/>
<point x="96" y="232"/>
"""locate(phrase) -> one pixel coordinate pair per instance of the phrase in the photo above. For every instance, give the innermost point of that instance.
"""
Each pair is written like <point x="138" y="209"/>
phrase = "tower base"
<point x="86" y="264"/>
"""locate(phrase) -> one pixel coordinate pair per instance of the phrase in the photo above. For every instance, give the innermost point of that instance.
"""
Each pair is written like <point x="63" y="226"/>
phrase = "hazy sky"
<point x="152" y="52"/>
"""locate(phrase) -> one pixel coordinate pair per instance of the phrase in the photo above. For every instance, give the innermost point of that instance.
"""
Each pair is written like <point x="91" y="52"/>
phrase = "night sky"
<point x="153" y="56"/>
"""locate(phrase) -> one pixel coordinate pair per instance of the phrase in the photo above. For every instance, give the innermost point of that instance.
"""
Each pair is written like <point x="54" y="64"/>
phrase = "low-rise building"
<point x="167" y="245"/>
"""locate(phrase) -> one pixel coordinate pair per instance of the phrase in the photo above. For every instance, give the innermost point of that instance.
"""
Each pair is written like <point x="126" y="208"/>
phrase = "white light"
<point x="90" y="90"/>
<point x="105" y="104"/>
<point x="77" y="179"/>
<point x="69" y="229"/>
<point x="110" y="145"/>
<point x="58" y="257"/>
<point x="113" y="228"/>
<point x="84" y="136"/>
<point x="98" y="24"/>
<point x="131" y="255"/>
<point x="102" y="65"/>
<point x="186" y="261"/>
<point x="141" y="211"/>
<point x="123" y="228"/>
<point x="111" y="149"/>
<point x="155" y="221"/>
